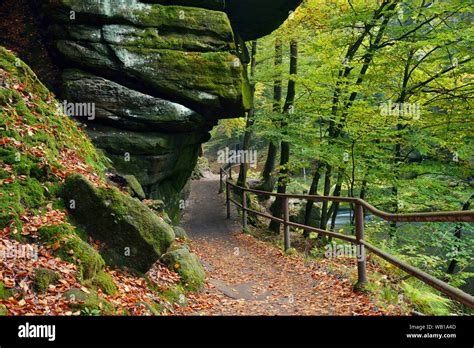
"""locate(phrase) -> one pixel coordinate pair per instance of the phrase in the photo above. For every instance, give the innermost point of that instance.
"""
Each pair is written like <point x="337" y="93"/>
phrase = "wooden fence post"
<point x="361" y="258"/>
<point x="221" y="183"/>
<point x="244" y="209"/>
<point x="286" y="227"/>
<point x="227" y="198"/>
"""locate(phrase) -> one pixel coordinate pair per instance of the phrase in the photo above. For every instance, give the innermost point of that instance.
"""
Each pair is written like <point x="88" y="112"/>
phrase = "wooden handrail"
<point x="358" y="240"/>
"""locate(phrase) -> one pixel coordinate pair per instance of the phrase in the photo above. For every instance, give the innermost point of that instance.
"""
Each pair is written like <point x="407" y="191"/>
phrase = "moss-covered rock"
<point x="133" y="12"/>
<point x="4" y="292"/>
<point x="102" y="281"/>
<point x="43" y="278"/>
<point x="153" y="307"/>
<point x="80" y="300"/>
<point x="187" y="265"/>
<point x="3" y="310"/>
<point x="175" y="295"/>
<point x="180" y="232"/>
<point x="132" y="235"/>
<point x="134" y="187"/>
<point x="67" y="244"/>
<point x="32" y="107"/>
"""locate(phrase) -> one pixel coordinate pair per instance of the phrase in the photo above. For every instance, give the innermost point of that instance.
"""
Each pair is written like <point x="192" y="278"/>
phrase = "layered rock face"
<point x="160" y="73"/>
<point x="160" y="77"/>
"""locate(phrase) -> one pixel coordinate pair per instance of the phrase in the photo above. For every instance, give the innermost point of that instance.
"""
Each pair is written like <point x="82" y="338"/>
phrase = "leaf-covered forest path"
<point x="247" y="276"/>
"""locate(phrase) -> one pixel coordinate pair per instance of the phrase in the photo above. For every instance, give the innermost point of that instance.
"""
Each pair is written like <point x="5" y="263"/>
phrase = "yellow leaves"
<point x="84" y="289"/>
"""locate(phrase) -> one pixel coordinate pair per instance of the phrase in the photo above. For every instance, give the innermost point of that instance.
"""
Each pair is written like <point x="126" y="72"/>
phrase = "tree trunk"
<point x="244" y="167"/>
<point x="458" y="234"/>
<point x="337" y="192"/>
<point x="313" y="190"/>
<point x="268" y="174"/>
<point x="288" y="109"/>
<point x="327" y="190"/>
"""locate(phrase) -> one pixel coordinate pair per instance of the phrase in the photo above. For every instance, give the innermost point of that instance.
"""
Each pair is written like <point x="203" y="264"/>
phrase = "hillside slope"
<point x="52" y="260"/>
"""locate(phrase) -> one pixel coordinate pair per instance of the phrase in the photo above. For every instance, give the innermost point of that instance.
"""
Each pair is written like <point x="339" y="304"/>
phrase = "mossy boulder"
<point x="153" y="307"/>
<point x="80" y="300"/>
<point x="131" y="234"/>
<point x="102" y="281"/>
<point x="175" y="295"/>
<point x="134" y="187"/>
<point x="67" y="244"/>
<point x="4" y="292"/>
<point x="180" y="232"/>
<point x="187" y="265"/>
<point x="315" y="218"/>
<point x="43" y="278"/>
<point x="3" y="310"/>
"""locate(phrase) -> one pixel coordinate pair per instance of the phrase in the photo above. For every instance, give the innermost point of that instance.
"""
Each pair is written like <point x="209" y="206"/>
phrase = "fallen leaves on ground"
<point x="279" y="284"/>
<point x="17" y="264"/>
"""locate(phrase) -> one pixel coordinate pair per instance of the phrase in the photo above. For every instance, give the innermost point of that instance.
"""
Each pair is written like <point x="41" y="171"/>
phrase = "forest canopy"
<point x="369" y="99"/>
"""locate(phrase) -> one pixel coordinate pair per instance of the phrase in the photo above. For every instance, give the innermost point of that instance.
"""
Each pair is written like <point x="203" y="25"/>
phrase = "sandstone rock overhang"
<point x="160" y="73"/>
<point x="253" y="19"/>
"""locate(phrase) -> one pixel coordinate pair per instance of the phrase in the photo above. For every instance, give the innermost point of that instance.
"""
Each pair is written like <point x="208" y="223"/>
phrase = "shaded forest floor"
<point x="247" y="276"/>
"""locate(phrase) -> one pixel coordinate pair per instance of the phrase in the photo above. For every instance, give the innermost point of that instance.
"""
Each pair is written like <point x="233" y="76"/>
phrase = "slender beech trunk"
<point x="268" y="174"/>
<point x="327" y="190"/>
<point x="313" y="190"/>
<point x="458" y="234"/>
<point x="337" y="192"/>
<point x="288" y="109"/>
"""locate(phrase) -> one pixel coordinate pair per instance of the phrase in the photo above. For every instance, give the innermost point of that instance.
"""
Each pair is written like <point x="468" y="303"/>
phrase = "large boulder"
<point x="131" y="235"/>
<point x="164" y="69"/>
<point x="182" y="54"/>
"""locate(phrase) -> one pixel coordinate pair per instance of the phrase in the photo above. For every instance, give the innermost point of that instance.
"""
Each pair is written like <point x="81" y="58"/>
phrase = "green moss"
<point x="4" y="292"/>
<point x="153" y="307"/>
<point x="43" y="278"/>
<point x="79" y="300"/>
<point x="102" y="281"/>
<point x="165" y="18"/>
<point x="175" y="294"/>
<point x="134" y="187"/>
<point x="3" y="310"/>
<point x="86" y="257"/>
<point x="71" y="248"/>
<point x="187" y="265"/>
<point x="134" y="235"/>
<point x="37" y="127"/>
<point x="180" y="232"/>
<point x="152" y="38"/>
